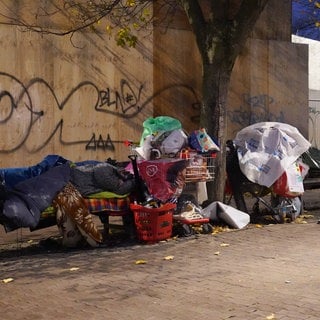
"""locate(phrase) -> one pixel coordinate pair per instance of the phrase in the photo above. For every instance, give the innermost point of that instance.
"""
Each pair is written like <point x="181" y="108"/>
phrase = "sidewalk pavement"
<point x="260" y="272"/>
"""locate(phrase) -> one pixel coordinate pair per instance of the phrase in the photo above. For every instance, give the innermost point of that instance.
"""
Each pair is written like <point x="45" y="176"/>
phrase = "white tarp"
<point x="267" y="149"/>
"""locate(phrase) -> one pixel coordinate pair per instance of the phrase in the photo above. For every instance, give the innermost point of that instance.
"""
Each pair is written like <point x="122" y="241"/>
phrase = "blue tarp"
<point x="306" y="19"/>
<point x="12" y="176"/>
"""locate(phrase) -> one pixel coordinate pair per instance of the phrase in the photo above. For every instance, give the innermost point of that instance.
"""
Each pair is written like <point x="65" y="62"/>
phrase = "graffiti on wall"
<point x="20" y="111"/>
<point x="254" y="109"/>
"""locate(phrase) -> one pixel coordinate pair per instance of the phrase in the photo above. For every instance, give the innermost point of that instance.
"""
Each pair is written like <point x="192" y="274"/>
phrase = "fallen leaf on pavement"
<point x="74" y="269"/>
<point x="141" y="262"/>
<point x="300" y="221"/>
<point x="218" y="229"/>
<point x="306" y="216"/>
<point x="224" y="245"/>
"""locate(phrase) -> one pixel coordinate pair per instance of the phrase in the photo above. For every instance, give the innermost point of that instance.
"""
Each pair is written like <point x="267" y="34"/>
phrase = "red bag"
<point x="290" y="183"/>
<point x="165" y="178"/>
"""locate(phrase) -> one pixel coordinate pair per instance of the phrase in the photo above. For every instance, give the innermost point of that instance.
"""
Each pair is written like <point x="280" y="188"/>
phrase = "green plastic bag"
<point x="161" y="123"/>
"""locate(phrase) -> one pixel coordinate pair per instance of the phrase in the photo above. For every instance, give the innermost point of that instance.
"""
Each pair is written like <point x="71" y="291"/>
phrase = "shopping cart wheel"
<point x="280" y="218"/>
<point x="186" y="230"/>
<point x="207" y="228"/>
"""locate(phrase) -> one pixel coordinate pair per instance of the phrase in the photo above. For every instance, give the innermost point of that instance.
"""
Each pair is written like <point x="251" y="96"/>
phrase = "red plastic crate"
<point x="153" y="224"/>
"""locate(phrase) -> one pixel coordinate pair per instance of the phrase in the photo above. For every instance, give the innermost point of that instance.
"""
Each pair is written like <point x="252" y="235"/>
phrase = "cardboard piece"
<point x="218" y="211"/>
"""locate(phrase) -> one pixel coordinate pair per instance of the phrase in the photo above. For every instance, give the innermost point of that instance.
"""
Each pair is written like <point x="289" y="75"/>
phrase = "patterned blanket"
<point x="95" y="206"/>
<point x="114" y="204"/>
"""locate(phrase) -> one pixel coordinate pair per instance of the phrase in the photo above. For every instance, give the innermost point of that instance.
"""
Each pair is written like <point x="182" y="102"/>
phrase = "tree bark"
<point x="213" y="118"/>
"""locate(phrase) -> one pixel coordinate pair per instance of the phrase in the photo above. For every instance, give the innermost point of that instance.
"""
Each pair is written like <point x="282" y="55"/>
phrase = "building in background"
<point x="314" y="88"/>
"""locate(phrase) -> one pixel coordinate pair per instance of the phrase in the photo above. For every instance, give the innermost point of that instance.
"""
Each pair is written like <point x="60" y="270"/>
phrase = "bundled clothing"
<point x="94" y="178"/>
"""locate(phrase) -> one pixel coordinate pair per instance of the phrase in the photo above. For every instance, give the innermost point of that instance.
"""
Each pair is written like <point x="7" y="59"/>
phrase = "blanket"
<point x="12" y="176"/>
<point x="27" y="199"/>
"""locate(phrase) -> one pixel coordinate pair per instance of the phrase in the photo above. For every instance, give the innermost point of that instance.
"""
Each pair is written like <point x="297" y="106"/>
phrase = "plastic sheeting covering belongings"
<point x="267" y="149"/>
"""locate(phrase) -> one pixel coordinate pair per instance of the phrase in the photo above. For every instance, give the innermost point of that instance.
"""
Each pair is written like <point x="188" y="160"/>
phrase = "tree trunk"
<point x="221" y="29"/>
<point x="216" y="79"/>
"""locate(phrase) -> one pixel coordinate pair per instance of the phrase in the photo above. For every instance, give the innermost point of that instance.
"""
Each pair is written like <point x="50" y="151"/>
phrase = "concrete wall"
<point x="314" y="88"/>
<point x="314" y="118"/>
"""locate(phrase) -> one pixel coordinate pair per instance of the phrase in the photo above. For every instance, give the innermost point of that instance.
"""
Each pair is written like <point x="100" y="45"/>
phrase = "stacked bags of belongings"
<point x="169" y="157"/>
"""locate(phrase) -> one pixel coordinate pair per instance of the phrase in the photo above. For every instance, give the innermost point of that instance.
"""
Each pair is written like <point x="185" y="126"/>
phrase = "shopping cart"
<point x="200" y="168"/>
<point x="200" y="165"/>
